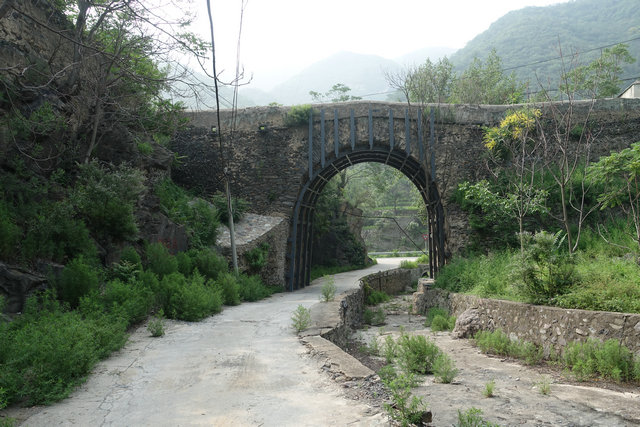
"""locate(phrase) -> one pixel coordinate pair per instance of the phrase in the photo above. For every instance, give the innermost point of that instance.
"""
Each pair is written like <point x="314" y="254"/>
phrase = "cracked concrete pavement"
<point x="244" y="366"/>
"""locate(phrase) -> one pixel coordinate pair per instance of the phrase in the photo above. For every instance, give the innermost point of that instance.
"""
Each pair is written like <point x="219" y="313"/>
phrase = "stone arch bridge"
<point x="281" y="169"/>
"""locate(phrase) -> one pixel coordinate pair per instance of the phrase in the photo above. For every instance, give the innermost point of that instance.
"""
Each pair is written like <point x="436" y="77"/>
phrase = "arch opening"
<point x="301" y="234"/>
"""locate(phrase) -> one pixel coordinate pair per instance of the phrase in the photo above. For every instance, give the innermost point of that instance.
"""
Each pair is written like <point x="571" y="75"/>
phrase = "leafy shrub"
<point x="389" y="349"/>
<point x="257" y="257"/>
<point x="9" y="231"/>
<point x="209" y="263"/>
<point x="406" y="409"/>
<point x="131" y="299"/>
<point x="76" y="280"/>
<point x="165" y="290"/>
<point x="442" y="323"/>
<point x="145" y="148"/>
<point x="417" y="354"/>
<point x="48" y="350"/>
<point x="252" y="288"/>
<point x="433" y="312"/>
<point x="301" y="318"/>
<point x="195" y="300"/>
<point x="130" y="255"/>
<point x="53" y="352"/>
<point x="376" y="297"/>
<point x="202" y="223"/>
<point x="604" y="283"/>
<point x="609" y="359"/>
<point x="497" y="342"/>
<point x="444" y="368"/>
<point x="546" y="271"/>
<point x="238" y="205"/>
<point x="55" y="234"/>
<point x="230" y="288"/>
<point x="156" y="326"/>
<point x="107" y="329"/>
<point x="387" y="373"/>
<point x="328" y="289"/>
<point x="160" y="261"/>
<point x="374" y="317"/>
<point x="298" y="115"/>
<point x="185" y="263"/>
<point x="423" y="259"/>
<point x="106" y="197"/>
<point x="531" y="353"/>
<point x="198" y="216"/>
<point x="489" y="389"/>
<point x="472" y="417"/>
<point x="544" y="385"/>
<point x="408" y="264"/>
<point x="124" y="271"/>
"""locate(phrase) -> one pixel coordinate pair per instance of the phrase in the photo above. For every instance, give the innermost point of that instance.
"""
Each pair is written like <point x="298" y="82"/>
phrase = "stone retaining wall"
<point x="392" y="282"/>
<point x="351" y="303"/>
<point x="542" y="325"/>
<point x="273" y="272"/>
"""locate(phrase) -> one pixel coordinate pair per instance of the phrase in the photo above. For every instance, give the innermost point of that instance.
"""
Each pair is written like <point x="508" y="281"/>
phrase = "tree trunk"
<point x="94" y="132"/>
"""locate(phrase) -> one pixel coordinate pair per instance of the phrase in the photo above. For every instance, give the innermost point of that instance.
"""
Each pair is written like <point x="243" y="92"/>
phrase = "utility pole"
<point x="225" y="168"/>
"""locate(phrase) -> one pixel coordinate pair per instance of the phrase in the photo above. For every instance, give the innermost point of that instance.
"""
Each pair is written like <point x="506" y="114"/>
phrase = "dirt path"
<point x="243" y="367"/>
<point x="518" y="400"/>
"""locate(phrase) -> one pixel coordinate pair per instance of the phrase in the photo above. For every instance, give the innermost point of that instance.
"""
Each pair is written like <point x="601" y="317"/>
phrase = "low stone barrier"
<point x="546" y="326"/>
<point x="335" y="320"/>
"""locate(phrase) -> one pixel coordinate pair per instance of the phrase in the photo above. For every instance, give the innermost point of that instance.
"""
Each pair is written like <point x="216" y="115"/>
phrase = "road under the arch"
<point x="244" y="366"/>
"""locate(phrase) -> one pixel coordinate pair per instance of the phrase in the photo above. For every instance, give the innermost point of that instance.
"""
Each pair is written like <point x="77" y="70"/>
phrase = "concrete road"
<point x="243" y="367"/>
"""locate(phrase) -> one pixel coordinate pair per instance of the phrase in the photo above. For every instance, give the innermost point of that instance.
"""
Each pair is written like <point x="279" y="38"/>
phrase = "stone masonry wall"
<point x="268" y="160"/>
<point x="546" y="326"/>
<point x="273" y="272"/>
<point x="351" y="304"/>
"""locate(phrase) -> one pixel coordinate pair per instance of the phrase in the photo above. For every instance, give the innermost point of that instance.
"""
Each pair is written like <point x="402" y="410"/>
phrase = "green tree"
<point x="339" y="92"/>
<point x="619" y="173"/>
<point x="512" y="150"/>
<point x="123" y="66"/>
<point x="430" y="82"/>
<point x="486" y="83"/>
<point x="601" y="77"/>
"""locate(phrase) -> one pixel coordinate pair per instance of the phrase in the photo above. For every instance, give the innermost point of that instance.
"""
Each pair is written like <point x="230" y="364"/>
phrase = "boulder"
<point x="16" y="284"/>
<point x="467" y="324"/>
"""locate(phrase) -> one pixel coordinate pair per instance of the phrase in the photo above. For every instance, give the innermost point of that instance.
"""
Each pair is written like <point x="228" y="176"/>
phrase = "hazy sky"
<point x="281" y="37"/>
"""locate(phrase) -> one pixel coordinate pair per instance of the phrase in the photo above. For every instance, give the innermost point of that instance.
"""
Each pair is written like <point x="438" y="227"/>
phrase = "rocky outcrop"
<point x="467" y="324"/>
<point x="16" y="284"/>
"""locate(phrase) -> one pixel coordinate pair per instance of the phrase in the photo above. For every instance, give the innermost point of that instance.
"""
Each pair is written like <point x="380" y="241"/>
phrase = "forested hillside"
<point x="528" y="39"/>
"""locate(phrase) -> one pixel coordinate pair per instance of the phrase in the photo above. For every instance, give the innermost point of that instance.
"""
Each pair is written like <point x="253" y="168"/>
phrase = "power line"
<point x="542" y="61"/>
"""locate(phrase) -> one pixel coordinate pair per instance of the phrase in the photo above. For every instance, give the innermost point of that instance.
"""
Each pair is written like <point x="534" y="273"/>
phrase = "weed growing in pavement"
<point x="328" y="289"/>
<point x="497" y="342"/>
<point x="373" y="348"/>
<point x="416" y="353"/>
<point x="376" y="297"/>
<point x="389" y="349"/>
<point x="387" y="373"/>
<point x="156" y="325"/>
<point x="374" y="317"/>
<point x="608" y="359"/>
<point x="301" y="318"/>
<point x="406" y="409"/>
<point x="444" y="368"/>
<point x="489" y="389"/>
<point x="472" y="417"/>
<point x="544" y="385"/>
<point x="443" y="323"/>
<point x="433" y="312"/>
